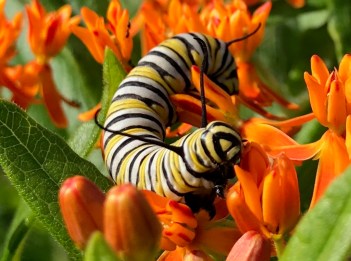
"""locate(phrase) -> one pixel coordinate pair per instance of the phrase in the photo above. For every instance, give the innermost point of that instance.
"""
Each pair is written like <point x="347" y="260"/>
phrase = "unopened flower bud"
<point x="251" y="246"/>
<point x="81" y="203"/>
<point x="130" y="226"/>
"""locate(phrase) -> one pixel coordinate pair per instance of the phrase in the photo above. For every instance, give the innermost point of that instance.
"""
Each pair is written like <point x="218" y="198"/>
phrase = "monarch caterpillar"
<point x="196" y="167"/>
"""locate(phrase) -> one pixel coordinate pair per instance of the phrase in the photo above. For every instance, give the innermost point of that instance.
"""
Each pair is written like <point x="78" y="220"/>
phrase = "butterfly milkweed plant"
<point x="287" y="195"/>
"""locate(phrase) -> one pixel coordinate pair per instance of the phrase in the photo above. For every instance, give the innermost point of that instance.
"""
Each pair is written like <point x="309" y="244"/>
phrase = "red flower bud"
<point x="251" y="246"/>
<point x="81" y="203"/>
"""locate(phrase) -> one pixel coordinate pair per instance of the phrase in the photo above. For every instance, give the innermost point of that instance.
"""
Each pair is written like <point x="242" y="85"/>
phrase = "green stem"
<point x="279" y="244"/>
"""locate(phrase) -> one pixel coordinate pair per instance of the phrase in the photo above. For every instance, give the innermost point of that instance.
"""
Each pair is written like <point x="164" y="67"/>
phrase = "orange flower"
<point x="189" y="108"/>
<point x="331" y="104"/>
<point x="133" y="229"/>
<point x="186" y="235"/>
<point x="23" y="82"/>
<point x="223" y="107"/>
<point x="160" y="20"/>
<point x="9" y="32"/>
<point x="225" y="21"/>
<point x="114" y="35"/>
<point x="48" y="32"/>
<point x="232" y="21"/>
<point x="266" y="197"/>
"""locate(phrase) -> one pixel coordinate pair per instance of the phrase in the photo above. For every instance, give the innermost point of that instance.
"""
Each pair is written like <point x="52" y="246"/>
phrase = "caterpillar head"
<point x="222" y="142"/>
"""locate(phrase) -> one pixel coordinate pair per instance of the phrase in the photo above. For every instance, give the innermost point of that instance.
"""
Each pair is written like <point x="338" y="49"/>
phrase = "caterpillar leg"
<point x="201" y="201"/>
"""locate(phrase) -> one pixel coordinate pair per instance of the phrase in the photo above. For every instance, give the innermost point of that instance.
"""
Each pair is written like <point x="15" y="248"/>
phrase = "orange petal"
<point x="265" y="135"/>
<point x="276" y="142"/>
<point x="89" y="115"/>
<point x="297" y="152"/>
<point x="219" y="239"/>
<point x="181" y="213"/>
<point x="52" y="98"/>
<point x="336" y="115"/>
<point x="348" y="135"/>
<point x="157" y="202"/>
<point x="286" y="124"/>
<point x="319" y="70"/>
<point x="88" y="39"/>
<point x="255" y="161"/>
<point x="333" y="148"/>
<point x="181" y="130"/>
<point x="242" y="215"/>
<point x="90" y="17"/>
<point x="250" y="190"/>
<point x="190" y="110"/>
<point x="344" y="71"/>
<point x="179" y="234"/>
<point x="248" y="80"/>
<point x="213" y="92"/>
<point x="317" y="97"/>
<point x="347" y="86"/>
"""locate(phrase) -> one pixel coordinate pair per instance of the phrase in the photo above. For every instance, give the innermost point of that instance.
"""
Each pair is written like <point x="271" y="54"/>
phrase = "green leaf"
<point x="17" y="232"/>
<point x="113" y="74"/>
<point x="97" y="249"/>
<point x="312" y="20"/>
<point x="37" y="162"/>
<point x="39" y="245"/>
<point x="324" y="233"/>
<point x="88" y="134"/>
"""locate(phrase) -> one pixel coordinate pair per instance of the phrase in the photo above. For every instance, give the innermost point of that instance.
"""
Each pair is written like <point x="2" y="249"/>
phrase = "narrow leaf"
<point x="88" y="134"/>
<point x="113" y="74"/>
<point x="325" y="232"/>
<point x="36" y="162"/>
<point x="17" y="232"/>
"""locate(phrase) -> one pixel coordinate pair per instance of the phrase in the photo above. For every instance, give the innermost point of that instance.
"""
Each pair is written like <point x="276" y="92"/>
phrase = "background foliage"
<point x="292" y="37"/>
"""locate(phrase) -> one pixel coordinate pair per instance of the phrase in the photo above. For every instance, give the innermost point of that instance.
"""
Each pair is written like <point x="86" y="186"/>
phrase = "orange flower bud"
<point x="130" y="226"/>
<point x="281" y="197"/>
<point x="81" y="203"/>
<point x="251" y="246"/>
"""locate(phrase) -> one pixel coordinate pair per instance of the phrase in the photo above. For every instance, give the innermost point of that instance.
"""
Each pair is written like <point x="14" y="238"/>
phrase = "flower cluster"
<point x="262" y="205"/>
<point x="137" y="223"/>
<point x="33" y="82"/>
<point x="225" y="21"/>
